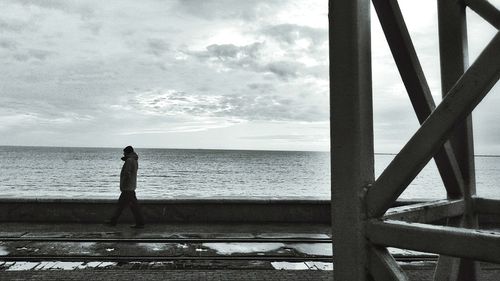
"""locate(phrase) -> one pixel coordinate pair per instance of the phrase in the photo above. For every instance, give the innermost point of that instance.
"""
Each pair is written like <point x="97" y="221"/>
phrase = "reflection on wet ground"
<point x="189" y="250"/>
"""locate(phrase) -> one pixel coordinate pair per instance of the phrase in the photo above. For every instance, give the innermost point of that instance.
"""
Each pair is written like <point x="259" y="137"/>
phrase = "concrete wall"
<point x="178" y="210"/>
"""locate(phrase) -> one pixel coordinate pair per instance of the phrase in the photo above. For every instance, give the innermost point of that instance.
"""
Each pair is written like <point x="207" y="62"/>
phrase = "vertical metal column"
<point x="454" y="61"/>
<point x="351" y="133"/>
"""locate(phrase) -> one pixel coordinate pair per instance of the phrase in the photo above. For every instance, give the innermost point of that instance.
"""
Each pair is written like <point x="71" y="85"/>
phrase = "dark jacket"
<point x="128" y="175"/>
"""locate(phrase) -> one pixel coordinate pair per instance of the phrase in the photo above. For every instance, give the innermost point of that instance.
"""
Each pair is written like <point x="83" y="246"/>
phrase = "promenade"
<point x="36" y="251"/>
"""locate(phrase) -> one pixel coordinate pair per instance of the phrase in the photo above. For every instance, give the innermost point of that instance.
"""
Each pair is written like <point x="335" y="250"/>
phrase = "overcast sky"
<point x="201" y="74"/>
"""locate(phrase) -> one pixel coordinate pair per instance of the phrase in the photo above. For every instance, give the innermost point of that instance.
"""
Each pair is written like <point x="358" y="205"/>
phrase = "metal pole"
<point x="351" y="133"/>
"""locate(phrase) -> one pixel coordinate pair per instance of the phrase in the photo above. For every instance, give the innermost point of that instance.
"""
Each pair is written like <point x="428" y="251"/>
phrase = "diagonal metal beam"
<point x="469" y="90"/>
<point x="383" y="266"/>
<point x="474" y="244"/>
<point x="486" y="10"/>
<point x="427" y="212"/>
<point x="413" y="77"/>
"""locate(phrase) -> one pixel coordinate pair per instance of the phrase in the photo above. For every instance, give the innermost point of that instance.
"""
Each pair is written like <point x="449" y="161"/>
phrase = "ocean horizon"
<point x="93" y="172"/>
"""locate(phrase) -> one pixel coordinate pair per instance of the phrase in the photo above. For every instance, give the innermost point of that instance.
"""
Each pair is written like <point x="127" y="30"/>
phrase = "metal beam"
<point x="447" y="269"/>
<point x="351" y="133"/>
<point x="383" y="266"/>
<point x="454" y="61"/>
<point x="487" y="206"/>
<point x="453" y="51"/>
<point x="486" y="10"/>
<point x="427" y="212"/>
<point x="456" y="269"/>
<point x="413" y="77"/>
<point x="471" y="88"/>
<point x="450" y="241"/>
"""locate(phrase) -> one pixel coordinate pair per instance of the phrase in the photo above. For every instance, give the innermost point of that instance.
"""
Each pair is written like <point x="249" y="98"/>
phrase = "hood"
<point x="131" y="155"/>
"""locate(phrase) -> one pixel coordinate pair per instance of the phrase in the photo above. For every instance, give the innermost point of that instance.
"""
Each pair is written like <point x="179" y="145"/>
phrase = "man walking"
<point x="128" y="184"/>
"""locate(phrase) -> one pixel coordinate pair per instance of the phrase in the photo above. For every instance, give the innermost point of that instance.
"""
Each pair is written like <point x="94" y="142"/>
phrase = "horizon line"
<point x="178" y="148"/>
<point x="233" y="149"/>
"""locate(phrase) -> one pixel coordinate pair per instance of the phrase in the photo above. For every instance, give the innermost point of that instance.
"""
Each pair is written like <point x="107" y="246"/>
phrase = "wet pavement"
<point x="181" y="240"/>
<point x="172" y="246"/>
<point x="180" y="252"/>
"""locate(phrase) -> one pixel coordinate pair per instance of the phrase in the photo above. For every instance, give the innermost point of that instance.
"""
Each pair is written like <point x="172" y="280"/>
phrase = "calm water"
<point x="175" y="173"/>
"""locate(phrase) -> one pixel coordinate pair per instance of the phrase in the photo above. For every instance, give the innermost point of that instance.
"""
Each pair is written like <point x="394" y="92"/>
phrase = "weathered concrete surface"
<point x="187" y="270"/>
<point x="175" y="270"/>
<point x="209" y="275"/>
<point x="153" y="275"/>
<point x="162" y="249"/>
<point x="183" y="270"/>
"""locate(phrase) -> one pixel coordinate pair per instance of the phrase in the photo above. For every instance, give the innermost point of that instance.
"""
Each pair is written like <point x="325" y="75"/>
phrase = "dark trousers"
<point x="127" y="198"/>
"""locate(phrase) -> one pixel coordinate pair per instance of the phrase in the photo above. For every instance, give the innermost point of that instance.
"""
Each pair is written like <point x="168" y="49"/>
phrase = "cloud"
<point x="8" y="44"/>
<point x="291" y="34"/>
<point x="286" y="50"/>
<point x="260" y="106"/>
<point x="248" y="57"/>
<point x="180" y="126"/>
<point x="94" y="27"/>
<point x="157" y="47"/>
<point x="208" y="65"/>
<point x="225" y="51"/>
<point x="228" y="9"/>
<point x="38" y="54"/>
<point x="300" y="138"/>
<point x="12" y="25"/>
<point x="42" y="117"/>
<point x="83" y="9"/>
<point x="231" y="55"/>
<point x="284" y="69"/>
<point x="51" y="4"/>
<point x="262" y="87"/>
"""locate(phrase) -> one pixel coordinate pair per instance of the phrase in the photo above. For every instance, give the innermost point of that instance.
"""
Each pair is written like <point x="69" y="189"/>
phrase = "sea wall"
<point x="177" y="210"/>
<point x="174" y="210"/>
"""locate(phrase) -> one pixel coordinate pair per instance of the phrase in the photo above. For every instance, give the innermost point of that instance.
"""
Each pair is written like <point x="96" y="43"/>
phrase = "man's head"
<point x="127" y="150"/>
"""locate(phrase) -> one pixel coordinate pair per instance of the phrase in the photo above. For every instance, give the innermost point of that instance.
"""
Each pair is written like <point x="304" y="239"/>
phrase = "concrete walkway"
<point x="229" y="268"/>
<point x="151" y="274"/>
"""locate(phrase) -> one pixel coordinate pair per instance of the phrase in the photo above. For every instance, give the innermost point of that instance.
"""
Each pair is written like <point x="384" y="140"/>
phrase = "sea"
<point x="67" y="172"/>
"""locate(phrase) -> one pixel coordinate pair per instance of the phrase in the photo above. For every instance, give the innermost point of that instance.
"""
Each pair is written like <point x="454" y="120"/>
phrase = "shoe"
<point x="110" y="223"/>
<point x="137" y="226"/>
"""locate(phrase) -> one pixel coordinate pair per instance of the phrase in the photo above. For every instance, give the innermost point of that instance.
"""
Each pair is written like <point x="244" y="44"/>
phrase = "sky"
<point x="215" y="74"/>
